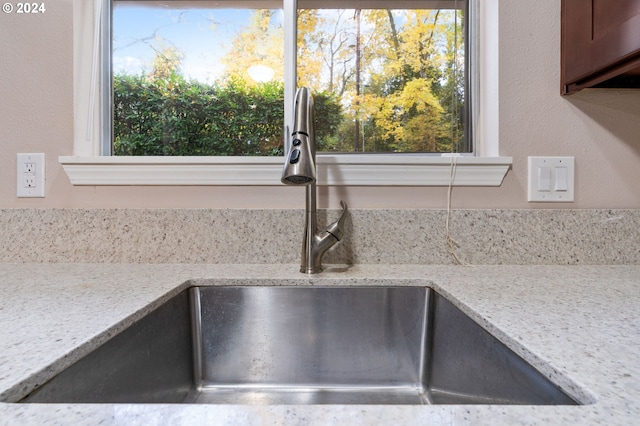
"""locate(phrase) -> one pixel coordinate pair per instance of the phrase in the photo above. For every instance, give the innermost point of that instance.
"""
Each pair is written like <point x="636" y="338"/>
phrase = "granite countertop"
<point x="577" y="324"/>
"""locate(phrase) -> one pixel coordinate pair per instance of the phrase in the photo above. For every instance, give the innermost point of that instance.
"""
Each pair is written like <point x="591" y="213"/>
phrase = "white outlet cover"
<point x="35" y="177"/>
<point x="553" y="169"/>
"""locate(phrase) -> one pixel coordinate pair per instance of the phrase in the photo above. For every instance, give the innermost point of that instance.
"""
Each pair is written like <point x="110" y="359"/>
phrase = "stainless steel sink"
<point x="303" y="345"/>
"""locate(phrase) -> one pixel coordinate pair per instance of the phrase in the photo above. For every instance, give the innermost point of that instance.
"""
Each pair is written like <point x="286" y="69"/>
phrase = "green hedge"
<point x="172" y="116"/>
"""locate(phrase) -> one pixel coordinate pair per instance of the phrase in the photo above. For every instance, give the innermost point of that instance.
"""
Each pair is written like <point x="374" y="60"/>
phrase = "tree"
<point x="405" y="107"/>
<point x="390" y="69"/>
<point x="326" y="52"/>
<point x="166" y="63"/>
<point x="260" y="43"/>
<point x="383" y="81"/>
<point x="172" y="116"/>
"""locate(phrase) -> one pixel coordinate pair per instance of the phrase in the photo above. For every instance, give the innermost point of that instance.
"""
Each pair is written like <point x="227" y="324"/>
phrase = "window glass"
<point x="207" y="77"/>
<point x="397" y="76"/>
<point x="193" y="78"/>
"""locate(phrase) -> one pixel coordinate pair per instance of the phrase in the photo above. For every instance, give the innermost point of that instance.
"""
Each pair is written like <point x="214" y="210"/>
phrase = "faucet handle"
<point x="337" y="228"/>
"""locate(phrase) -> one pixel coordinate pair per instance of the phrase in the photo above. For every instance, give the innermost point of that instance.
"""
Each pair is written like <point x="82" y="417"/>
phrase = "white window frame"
<point x="88" y="166"/>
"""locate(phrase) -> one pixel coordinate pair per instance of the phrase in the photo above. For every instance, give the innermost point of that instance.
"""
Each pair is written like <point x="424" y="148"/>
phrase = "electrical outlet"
<point x="29" y="180"/>
<point x="30" y="175"/>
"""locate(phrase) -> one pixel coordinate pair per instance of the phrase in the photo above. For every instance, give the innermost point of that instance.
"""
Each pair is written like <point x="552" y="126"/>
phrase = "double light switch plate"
<point x="551" y="179"/>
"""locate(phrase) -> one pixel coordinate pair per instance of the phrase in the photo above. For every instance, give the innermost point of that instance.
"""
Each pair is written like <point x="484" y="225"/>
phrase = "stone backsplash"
<point x="489" y="237"/>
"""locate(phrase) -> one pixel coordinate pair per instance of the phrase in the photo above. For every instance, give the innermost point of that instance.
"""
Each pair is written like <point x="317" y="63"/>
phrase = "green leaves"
<point x="172" y="116"/>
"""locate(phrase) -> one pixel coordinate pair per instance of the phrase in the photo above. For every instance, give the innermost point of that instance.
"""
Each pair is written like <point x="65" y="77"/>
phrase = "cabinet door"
<point x="600" y="40"/>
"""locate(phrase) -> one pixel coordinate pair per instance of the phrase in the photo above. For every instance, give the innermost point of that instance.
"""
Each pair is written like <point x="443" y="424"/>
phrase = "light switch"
<point x="561" y="179"/>
<point x="544" y="179"/>
<point x="551" y="179"/>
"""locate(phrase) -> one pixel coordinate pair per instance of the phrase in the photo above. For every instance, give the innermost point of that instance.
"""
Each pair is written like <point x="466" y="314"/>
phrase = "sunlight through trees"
<point x="384" y="81"/>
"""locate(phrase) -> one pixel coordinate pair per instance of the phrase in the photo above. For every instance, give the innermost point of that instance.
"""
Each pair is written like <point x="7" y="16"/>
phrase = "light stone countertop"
<point x="580" y="325"/>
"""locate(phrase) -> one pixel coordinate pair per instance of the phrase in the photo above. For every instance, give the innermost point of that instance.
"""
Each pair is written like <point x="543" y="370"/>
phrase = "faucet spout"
<point x="300" y="169"/>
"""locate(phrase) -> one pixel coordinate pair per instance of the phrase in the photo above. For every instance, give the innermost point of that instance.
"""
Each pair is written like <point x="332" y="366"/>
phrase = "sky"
<point x="202" y="35"/>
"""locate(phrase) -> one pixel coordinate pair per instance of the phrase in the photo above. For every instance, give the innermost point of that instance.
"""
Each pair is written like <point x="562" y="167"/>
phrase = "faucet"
<point x="300" y="169"/>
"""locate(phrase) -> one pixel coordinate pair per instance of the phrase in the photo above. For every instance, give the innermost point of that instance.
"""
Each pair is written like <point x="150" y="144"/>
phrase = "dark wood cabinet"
<point x="600" y="44"/>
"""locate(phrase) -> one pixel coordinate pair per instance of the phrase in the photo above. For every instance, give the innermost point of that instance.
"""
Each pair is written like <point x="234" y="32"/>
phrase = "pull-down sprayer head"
<point x="300" y="162"/>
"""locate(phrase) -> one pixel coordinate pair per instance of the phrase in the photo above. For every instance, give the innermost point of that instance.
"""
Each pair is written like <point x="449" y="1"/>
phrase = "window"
<point x="207" y="77"/>
<point x="197" y="78"/>
<point x="362" y="92"/>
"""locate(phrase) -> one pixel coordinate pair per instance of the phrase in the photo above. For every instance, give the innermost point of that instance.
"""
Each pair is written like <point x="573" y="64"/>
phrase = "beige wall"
<point x="600" y="128"/>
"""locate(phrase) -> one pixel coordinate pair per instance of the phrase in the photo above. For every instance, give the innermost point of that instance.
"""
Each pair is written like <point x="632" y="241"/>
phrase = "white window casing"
<point x="88" y="167"/>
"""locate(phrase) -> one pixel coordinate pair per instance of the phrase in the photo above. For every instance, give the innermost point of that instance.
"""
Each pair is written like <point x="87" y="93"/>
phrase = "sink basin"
<point x="303" y="345"/>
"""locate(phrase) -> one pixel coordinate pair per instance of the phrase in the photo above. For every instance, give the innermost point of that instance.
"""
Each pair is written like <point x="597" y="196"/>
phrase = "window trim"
<point x="333" y="170"/>
<point x="88" y="167"/>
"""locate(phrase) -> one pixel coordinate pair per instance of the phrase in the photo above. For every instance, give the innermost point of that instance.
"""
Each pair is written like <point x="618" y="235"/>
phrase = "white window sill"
<point x="333" y="170"/>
